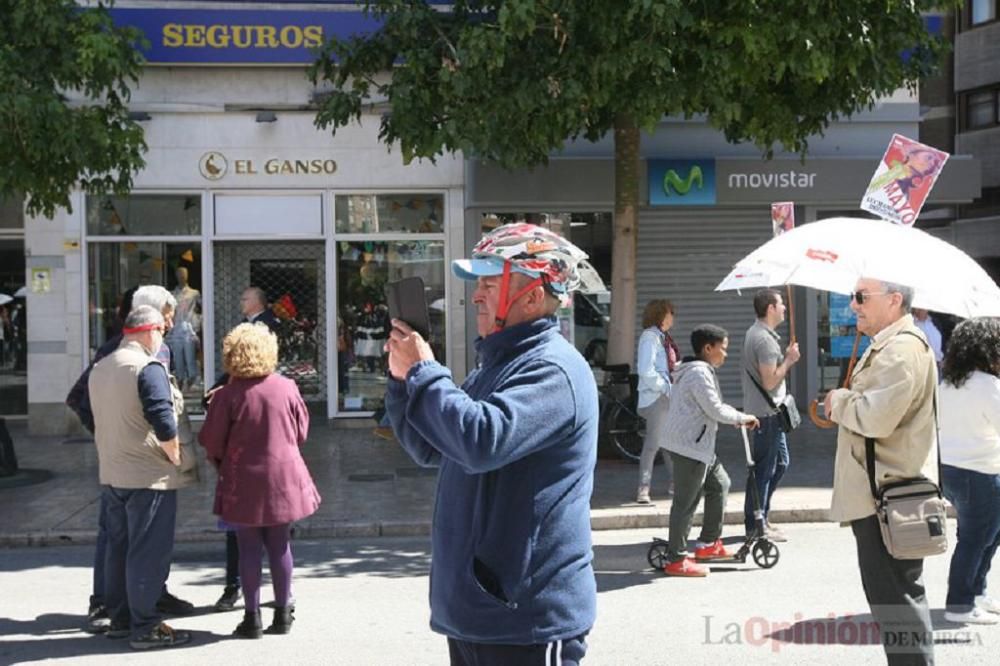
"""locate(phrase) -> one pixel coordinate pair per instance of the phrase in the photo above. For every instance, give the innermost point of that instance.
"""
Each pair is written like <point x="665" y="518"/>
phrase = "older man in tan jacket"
<point x="891" y="399"/>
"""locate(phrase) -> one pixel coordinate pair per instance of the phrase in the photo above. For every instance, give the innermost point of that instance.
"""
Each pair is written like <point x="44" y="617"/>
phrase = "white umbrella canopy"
<point x="832" y="254"/>
<point x="4" y="299"/>
<point x="22" y="292"/>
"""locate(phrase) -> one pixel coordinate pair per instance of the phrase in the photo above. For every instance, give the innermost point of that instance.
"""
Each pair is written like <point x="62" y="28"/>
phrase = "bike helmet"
<point x="551" y="260"/>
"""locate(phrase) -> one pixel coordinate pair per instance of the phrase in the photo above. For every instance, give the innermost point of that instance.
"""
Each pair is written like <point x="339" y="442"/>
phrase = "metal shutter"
<point x="683" y="254"/>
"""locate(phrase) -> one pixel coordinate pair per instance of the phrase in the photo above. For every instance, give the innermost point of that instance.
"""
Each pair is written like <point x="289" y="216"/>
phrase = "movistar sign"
<point x="681" y="182"/>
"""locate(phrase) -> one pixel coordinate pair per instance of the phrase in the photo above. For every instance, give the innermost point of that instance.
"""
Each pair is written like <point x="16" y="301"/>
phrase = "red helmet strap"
<point x="504" y="303"/>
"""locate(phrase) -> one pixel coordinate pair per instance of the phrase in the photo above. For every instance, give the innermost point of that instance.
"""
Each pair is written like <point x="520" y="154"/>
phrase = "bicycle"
<point x="619" y="418"/>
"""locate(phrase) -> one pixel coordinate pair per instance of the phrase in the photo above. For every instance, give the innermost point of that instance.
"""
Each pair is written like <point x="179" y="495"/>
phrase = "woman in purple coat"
<point x="252" y="434"/>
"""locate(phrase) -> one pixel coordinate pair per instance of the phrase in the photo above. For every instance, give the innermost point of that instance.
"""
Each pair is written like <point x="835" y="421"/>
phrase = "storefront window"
<point x="114" y="268"/>
<point x="363" y="269"/>
<point x="390" y="213"/>
<point x="586" y="322"/>
<point x="144" y="215"/>
<point x="13" y="312"/>
<point x="837" y="329"/>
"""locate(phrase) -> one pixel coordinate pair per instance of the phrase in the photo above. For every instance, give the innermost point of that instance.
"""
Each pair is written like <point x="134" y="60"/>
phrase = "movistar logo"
<point x="682" y="185"/>
<point x="681" y="182"/>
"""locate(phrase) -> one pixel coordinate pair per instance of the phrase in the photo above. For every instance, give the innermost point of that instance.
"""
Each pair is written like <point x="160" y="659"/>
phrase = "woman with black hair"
<point x="970" y="456"/>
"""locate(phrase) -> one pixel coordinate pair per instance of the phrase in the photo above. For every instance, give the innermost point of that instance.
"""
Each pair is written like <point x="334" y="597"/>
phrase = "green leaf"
<point x="52" y="49"/>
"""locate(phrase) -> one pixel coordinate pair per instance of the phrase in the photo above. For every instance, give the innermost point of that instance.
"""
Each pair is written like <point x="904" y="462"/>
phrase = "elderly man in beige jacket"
<point x="891" y="399"/>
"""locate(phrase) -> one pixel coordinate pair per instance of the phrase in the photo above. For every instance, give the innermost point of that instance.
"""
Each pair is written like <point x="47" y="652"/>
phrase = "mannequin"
<point x="183" y="338"/>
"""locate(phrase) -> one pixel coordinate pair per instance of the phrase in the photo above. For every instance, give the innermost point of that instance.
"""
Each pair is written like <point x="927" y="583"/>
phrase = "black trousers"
<point x="567" y="652"/>
<point x="896" y="595"/>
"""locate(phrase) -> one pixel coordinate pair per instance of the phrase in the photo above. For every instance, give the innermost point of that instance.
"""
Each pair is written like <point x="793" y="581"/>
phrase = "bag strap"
<point x="870" y="442"/>
<point x="767" y="396"/>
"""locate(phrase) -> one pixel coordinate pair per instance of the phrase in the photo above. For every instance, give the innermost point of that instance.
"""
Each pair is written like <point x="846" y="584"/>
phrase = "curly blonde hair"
<point x="250" y="350"/>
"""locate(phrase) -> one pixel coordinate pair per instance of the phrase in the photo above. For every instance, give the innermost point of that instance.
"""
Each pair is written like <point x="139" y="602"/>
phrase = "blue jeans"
<point x="976" y="498"/>
<point x="185" y="352"/>
<point x="140" y="544"/>
<point x="770" y="456"/>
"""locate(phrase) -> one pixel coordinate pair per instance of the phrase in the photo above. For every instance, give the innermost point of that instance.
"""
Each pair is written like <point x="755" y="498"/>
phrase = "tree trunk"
<point x="621" y="336"/>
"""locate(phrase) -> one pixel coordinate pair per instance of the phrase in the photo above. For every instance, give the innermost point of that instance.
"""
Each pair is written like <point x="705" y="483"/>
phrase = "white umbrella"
<point x="22" y="292"/>
<point x="4" y="299"/>
<point x="832" y="254"/>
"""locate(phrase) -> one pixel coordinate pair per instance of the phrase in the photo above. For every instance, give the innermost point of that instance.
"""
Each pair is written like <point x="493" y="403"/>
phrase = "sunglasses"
<point x="860" y="297"/>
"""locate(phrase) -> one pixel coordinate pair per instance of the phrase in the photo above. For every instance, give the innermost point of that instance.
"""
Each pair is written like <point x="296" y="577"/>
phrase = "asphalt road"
<point x="364" y="602"/>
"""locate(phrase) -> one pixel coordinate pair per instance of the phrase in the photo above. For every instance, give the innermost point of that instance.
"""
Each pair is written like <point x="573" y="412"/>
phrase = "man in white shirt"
<point x="923" y="321"/>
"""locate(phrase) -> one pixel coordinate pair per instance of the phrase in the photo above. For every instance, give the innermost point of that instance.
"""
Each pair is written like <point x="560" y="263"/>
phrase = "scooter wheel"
<point x="765" y="554"/>
<point x="657" y="555"/>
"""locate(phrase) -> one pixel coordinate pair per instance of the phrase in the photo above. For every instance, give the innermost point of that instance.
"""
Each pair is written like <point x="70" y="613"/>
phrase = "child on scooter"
<point x="696" y="410"/>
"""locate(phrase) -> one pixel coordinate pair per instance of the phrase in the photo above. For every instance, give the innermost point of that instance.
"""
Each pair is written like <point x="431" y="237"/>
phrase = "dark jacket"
<point x="252" y="434"/>
<point x="78" y="398"/>
<point x="516" y="445"/>
<point x="267" y="317"/>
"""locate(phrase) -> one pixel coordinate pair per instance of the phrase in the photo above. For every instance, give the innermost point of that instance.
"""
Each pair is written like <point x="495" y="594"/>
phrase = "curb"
<point x="600" y="519"/>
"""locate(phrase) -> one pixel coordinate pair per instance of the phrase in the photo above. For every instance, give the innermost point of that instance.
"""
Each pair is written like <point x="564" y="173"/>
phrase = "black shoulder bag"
<point x="787" y="411"/>
<point x="911" y="513"/>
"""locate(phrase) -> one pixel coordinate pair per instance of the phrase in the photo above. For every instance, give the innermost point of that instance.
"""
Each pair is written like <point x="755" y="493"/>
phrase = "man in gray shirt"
<point x="764" y="364"/>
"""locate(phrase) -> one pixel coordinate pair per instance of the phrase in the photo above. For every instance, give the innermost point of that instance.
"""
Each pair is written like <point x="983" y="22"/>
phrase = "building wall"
<point x="194" y="110"/>
<point x="977" y="66"/>
<point x="977" y="52"/>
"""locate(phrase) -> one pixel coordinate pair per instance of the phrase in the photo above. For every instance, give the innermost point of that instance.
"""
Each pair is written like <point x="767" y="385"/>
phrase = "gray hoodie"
<point x="695" y="411"/>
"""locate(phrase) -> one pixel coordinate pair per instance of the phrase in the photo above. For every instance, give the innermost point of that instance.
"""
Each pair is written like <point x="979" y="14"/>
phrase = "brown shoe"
<point x="385" y="432"/>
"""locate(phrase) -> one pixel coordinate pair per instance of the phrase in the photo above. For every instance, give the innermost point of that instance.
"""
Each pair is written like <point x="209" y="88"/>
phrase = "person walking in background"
<point x="252" y="434"/>
<point x="139" y="456"/>
<point x="891" y="400"/>
<point x="922" y="320"/>
<point x="656" y="356"/>
<point x="696" y="410"/>
<point x="969" y="414"/>
<point x="512" y="580"/>
<point x="764" y="370"/>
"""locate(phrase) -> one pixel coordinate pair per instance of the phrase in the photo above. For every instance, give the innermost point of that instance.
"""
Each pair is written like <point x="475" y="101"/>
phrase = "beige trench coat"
<point x="891" y="399"/>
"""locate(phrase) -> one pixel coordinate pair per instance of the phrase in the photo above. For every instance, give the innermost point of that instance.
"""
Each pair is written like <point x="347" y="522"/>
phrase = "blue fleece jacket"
<point x="516" y="446"/>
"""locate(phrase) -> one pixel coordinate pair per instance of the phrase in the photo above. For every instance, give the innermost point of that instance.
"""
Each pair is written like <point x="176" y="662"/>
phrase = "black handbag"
<point x="787" y="410"/>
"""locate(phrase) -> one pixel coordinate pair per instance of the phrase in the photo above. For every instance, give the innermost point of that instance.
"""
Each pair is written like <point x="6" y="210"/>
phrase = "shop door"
<point x="292" y="276"/>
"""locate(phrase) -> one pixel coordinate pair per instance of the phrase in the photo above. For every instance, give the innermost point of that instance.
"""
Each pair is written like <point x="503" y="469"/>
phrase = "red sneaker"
<point x="713" y="551"/>
<point x="686" y="567"/>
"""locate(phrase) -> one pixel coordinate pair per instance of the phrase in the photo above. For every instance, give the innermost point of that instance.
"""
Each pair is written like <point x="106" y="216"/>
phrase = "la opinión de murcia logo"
<point x="213" y="165"/>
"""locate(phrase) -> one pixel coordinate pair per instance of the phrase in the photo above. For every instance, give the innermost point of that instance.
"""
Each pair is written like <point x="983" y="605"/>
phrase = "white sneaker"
<point x="974" y="616"/>
<point x="642" y="496"/>
<point x="990" y="604"/>
<point x="774" y="534"/>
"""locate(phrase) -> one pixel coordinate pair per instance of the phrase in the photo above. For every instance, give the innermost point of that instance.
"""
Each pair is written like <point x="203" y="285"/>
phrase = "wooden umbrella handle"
<point x="820" y="422"/>
<point x="814" y="405"/>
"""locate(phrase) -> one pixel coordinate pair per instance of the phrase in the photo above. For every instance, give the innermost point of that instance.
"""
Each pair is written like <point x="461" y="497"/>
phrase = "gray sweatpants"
<point x="656" y="427"/>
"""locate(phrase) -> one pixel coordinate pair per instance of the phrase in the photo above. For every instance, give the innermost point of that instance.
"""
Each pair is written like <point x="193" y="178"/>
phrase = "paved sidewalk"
<point x="371" y="488"/>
